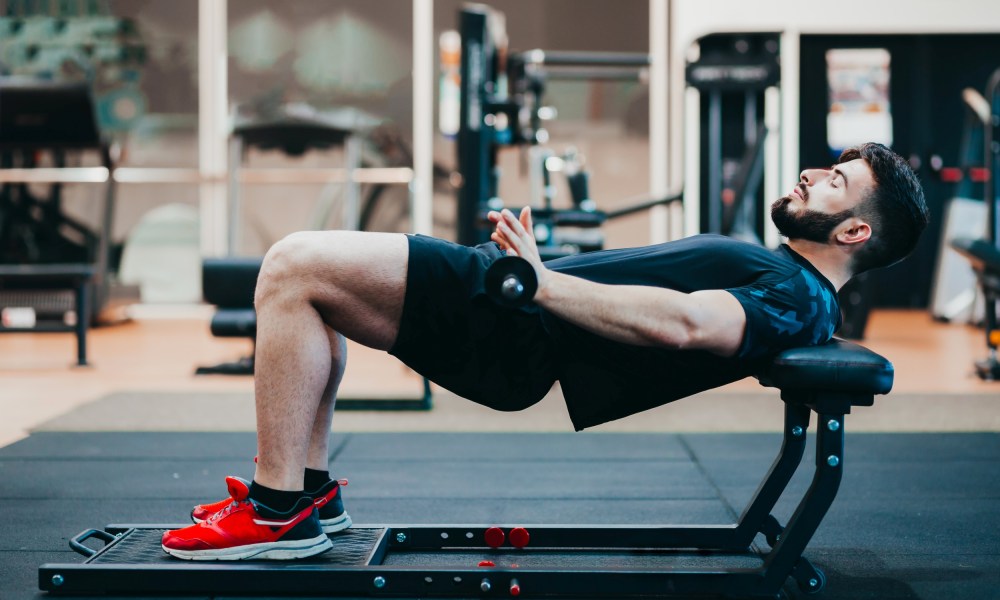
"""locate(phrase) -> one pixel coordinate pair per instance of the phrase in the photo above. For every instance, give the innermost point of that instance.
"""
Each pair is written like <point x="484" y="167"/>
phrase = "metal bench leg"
<point x="786" y="556"/>
<point x="756" y="515"/>
<point x="82" y="318"/>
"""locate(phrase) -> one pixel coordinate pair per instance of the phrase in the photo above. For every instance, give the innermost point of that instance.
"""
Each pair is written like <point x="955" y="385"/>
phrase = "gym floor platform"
<point x="916" y="515"/>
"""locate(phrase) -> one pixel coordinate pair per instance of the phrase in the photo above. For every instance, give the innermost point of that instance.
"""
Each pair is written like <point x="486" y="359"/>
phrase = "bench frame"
<point x="780" y="558"/>
<point x="75" y="277"/>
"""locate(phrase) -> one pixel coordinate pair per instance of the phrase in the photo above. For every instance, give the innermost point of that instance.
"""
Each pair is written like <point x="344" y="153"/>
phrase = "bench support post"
<point x="755" y="519"/>
<point x="81" y="295"/>
<point x="786" y="554"/>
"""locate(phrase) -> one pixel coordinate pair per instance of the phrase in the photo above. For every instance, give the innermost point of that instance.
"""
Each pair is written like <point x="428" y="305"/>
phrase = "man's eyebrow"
<point x="841" y="173"/>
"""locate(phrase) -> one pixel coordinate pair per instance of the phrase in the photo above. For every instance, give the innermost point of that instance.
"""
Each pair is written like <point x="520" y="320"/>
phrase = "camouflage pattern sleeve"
<point x="798" y="311"/>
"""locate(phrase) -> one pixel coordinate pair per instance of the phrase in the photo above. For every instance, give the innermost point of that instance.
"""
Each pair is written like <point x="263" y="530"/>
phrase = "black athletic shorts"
<point x="454" y="335"/>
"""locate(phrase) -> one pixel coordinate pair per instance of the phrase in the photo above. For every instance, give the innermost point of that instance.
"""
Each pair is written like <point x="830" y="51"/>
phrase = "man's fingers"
<point x="501" y="240"/>
<point x="503" y="237"/>
<point x="521" y="225"/>
<point x="514" y="241"/>
<point x="515" y="234"/>
<point x="526" y="219"/>
<point x="513" y="223"/>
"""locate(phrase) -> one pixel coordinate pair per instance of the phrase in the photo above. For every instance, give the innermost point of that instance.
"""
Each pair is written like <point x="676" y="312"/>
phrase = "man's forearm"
<point x="638" y="315"/>
<point x="710" y="320"/>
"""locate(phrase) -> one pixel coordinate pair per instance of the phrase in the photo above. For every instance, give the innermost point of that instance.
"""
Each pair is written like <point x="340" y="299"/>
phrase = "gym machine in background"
<point x="70" y="76"/>
<point x="954" y="294"/>
<point x="984" y="254"/>
<point x="501" y="105"/>
<point x="45" y="128"/>
<point x="732" y="74"/>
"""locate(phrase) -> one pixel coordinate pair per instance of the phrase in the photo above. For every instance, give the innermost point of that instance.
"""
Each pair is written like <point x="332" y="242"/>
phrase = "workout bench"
<point x="604" y="561"/>
<point x="229" y="284"/>
<point x="74" y="277"/>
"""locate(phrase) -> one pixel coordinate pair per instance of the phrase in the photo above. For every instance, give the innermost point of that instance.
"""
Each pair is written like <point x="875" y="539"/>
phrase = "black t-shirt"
<point x="788" y="303"/>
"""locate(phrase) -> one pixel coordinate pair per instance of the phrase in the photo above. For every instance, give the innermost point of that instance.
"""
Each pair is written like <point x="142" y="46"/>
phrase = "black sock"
<point x="277" y="500"/>
<point x="315" y="479"/>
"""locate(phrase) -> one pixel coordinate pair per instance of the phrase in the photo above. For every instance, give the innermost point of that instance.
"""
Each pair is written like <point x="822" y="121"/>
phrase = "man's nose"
<point x="811" y="176"/>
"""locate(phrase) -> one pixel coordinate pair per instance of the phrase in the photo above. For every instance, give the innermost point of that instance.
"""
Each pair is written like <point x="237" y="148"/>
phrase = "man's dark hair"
<point x="896" y="209"/>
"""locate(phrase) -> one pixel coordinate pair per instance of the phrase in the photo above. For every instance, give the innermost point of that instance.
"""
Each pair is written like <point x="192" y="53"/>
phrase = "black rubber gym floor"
<point x="917" y="516"/>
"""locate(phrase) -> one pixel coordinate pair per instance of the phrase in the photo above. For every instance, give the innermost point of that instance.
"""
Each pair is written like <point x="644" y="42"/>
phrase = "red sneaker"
<point x="203" y="512"/>
<point x="246" y="529"/>
<point x="328" y="499"/>
<point x="330" y="506"/>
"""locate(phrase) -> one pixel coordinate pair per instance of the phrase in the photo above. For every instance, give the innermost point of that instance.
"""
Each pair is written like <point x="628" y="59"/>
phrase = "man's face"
<point x="822" y="200"/>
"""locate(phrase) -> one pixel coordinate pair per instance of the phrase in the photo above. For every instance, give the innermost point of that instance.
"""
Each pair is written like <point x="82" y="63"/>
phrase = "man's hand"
<point x="516" y="237"/>
<point x="711" y="320"/>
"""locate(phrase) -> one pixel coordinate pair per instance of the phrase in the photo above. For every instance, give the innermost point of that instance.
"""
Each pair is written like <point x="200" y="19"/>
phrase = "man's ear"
<point x="853" y="231"/>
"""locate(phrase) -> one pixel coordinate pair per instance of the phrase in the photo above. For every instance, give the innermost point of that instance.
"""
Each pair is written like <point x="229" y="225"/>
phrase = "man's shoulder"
<point x="737" y="252"/>
<point x="715" y="241"/>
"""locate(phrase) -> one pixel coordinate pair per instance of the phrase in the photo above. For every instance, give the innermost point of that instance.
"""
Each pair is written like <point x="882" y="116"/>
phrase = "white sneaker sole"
<point x="287" y="550"/>
<point x="336" y="524"/>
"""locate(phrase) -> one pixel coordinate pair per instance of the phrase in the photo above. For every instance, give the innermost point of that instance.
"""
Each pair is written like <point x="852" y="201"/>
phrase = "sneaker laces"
<point x="225" y="511"/>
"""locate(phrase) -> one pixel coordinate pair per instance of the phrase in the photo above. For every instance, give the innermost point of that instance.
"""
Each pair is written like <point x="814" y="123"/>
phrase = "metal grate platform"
<point x="417" y="560"/>
<point x="141" y="546"/>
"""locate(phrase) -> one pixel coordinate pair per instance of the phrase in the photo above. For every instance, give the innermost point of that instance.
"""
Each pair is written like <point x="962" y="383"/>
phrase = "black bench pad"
<point x="234" y="322"/>
<point x="834" y="367"/>
<point x="230" y="282"/>
<point x="983" y="255"/>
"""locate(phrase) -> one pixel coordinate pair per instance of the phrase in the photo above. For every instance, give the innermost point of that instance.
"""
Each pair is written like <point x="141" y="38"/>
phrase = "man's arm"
<point x="711" y="320"/>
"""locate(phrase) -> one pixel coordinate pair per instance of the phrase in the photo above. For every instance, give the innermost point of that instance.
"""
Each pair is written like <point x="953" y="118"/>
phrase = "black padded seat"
<point x="235" y="322"/>
<point x="837" y="366"/>
<point x="983" y="255"/>
<point x="831" y="377"/>
<point x="229" y="284"/>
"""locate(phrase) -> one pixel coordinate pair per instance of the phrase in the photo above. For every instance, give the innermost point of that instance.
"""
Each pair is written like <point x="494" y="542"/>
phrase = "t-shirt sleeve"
<point x="798" y="311"/>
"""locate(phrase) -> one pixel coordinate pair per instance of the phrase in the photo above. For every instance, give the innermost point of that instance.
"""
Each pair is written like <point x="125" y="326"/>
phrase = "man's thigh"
<point x="355" y="280"/>
<point x="454" y="335"/>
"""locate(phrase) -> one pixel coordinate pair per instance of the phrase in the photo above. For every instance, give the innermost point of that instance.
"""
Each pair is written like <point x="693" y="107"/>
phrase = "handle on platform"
<point x="76" y="542"/>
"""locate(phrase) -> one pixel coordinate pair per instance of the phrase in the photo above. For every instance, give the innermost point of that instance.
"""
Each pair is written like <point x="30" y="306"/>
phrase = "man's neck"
<point x="830" y="260"/>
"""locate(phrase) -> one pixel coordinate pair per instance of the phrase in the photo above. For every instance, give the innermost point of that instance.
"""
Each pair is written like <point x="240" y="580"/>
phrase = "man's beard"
<point x="809" y="225"/>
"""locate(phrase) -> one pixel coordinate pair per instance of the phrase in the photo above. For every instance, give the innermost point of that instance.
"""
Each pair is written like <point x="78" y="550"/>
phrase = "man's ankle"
<point x="314" y="479"/>
<point x="280" y="501"/>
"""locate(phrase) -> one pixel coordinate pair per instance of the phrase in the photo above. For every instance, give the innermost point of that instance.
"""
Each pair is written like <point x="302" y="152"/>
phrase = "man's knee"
<point x="287" y="265"/>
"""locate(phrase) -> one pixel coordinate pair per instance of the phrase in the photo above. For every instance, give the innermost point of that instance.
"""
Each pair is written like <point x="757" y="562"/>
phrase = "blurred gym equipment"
<point x="43" y="126"/>
<point x="500" y="106"/>
<point x="984" y="254"/>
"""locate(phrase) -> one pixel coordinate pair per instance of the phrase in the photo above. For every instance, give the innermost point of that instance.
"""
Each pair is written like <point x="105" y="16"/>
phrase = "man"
<point x="622" y="330"/>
